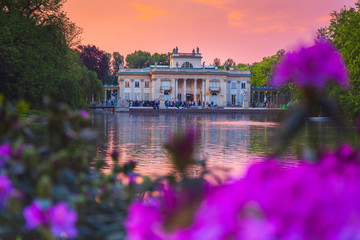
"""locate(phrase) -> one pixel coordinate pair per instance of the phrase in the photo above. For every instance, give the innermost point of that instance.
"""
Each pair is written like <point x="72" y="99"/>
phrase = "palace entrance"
<point x="189" y="97"/>
<point x="166" y="96"/>
<point x="214" y="98"/>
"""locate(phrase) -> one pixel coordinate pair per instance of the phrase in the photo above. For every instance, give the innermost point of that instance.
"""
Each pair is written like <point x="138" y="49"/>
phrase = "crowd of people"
<point x="266" y="104"/>
<point x="174" y="104"/>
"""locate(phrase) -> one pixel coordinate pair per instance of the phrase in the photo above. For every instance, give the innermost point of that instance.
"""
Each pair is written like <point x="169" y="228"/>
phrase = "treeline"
<point x="36" y="58"/>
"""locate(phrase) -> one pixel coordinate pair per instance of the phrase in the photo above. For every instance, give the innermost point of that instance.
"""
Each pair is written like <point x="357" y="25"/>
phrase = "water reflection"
<point x="226" y="141"/>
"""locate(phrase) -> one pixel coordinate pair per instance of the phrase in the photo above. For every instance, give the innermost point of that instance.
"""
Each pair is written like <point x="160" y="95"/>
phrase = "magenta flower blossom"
<point x="6" y="188"/>
<point x="60" y="218"/>
<point x="311" y="67"/>
<point x="62" y="221"/>
<point x="34" y="215"/>
<point x="308" y="201"/>
<point x="84" y="113"/>
<point x="5" y="153"/>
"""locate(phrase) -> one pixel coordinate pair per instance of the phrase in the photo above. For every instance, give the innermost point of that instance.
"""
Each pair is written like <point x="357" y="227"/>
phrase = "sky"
<point x="243" y="30"/>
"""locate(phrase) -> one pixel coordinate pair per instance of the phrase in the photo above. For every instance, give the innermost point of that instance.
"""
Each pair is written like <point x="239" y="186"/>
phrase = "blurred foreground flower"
<point x="181" y="148"/>
<point x="60" y="218"/>
<point x="5" y="153"/>
<point x="308" y="201"/>
<point x="311" y="67"/>
<point x="6" y="188"/>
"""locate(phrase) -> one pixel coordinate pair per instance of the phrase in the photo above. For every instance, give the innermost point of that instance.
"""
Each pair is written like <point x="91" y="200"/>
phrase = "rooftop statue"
<point x="197" y="50"/>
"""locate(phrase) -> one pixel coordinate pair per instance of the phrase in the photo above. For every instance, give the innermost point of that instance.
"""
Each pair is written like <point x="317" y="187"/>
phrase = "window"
<point x="147" y="96"/>
<point x="147" y="85"/>
<point x="233" y="85"/>
<point x="127" y="96"/>
<point x="214" y="84"/>
<point x="165" y="83"/>
<point x="137" y="96"/>
<point x="187" y="65"/>
<point x="127" y="84"/>
<point x="243" y="85"/>
<point x="137" y="84"/>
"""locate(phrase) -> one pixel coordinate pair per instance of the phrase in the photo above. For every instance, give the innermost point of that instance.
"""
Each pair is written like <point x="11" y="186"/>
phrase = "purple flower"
<point x="62" y="221"/>
<point x="84" y="113"/>
<point x="5" y="153"/>
<point x="34" y="215"/>
<point x="311" y="67"/>
<point x="59" y="218"/>
<point x="6" y="188"/>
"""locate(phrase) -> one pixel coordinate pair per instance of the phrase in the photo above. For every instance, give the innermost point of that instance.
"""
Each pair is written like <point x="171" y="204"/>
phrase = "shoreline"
<point x="226" y="110"/>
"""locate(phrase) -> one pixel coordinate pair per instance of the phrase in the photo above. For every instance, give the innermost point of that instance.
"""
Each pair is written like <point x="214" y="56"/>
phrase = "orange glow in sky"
<point x="244" y="30"/>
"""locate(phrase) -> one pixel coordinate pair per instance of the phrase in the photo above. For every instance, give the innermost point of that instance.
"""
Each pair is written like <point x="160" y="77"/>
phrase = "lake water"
<point x="226" y="141"/>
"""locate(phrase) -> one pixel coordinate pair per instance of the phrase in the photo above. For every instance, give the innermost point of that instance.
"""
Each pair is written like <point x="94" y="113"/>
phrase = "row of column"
<point x="272" y="96"/>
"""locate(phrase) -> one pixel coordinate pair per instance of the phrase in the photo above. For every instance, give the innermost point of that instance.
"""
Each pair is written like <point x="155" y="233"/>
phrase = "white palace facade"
<point x="186" y="79"/>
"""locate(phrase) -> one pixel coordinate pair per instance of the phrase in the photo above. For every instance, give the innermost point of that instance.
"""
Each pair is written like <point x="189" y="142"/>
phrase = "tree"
<point x="217" y="62"/>
<point x="229" y="62"/>
<point x="138" y="59"/>
<point x="242" y="66"/>
<point x="344" y="32"/>
<point x="262" y="71"/>
<point x="161" y="59"/>
<point x="95" y="60"/>
<point x="35" y="59"/>
<point x="117" y="60"/>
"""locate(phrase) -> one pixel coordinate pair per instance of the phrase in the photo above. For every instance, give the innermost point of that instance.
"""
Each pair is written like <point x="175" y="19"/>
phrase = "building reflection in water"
<point x="226" y="141"/>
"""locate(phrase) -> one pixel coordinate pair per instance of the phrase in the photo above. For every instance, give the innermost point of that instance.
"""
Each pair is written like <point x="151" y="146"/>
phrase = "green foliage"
<point x="35" y="58"/>
<point x="161" y="59"/>
<point x="262" y="71"/>
<point x="344" y="32"/>
<point x="138" y="59"/>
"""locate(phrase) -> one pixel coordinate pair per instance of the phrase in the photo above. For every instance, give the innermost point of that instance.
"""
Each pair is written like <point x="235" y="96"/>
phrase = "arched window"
<point x="187" y="65"/>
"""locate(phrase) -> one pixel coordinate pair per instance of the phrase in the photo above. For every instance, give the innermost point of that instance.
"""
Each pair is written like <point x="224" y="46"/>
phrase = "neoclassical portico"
<point x="185" y="80"/>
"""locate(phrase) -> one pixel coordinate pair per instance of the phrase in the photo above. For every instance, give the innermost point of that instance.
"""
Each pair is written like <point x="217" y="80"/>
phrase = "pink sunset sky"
<point x="244" y="30"/>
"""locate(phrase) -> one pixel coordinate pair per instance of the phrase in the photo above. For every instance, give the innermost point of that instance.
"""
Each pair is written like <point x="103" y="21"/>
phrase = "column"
<point x="105" y="95"/>
<point x="184" y="96"/>
<point x="173" y="93"/>
<point x="142" y="83"/>
<point x="252" y="97"/>
<point x="132" y="90"/>
<point x="258" y="97"/>
<point x="204" y="90"/>
<point x="176" y="89"/>
<point x="195" y="88"/>
<point x="121" y="88"/>
<point x="111" y="94"/>
<point x="238" y="97"/>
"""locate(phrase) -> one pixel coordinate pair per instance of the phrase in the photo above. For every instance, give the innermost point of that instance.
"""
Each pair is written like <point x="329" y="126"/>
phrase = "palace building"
<point x="186" y="79"/>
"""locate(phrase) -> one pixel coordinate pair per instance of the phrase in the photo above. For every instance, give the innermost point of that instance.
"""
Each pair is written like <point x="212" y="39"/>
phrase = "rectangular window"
<point x="147" y="85"/>
<point x="214" y="84"/>
<point x="127" y="84"/>
<point x="137" y="96"/>
<point x="147" y="96"/>
<point x="243" y="85"/>
<point x="127" y="96"/>
<point x="137" y="84"/>
<point x="233" y="85"/>
<point x="165" y="83"/>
